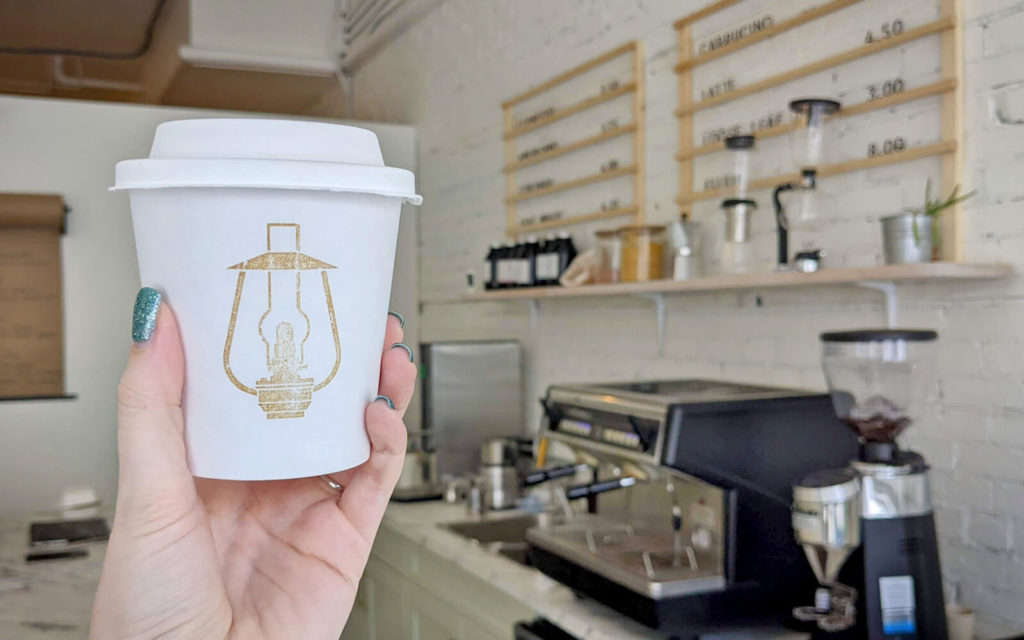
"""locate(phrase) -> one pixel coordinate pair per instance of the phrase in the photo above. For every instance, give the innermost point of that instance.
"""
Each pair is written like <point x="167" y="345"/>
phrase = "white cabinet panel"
<point x="389" y="619"/>
<point x="358" y="625"/>
<point x="432" y="619"/>
<point x="472" y="631"/>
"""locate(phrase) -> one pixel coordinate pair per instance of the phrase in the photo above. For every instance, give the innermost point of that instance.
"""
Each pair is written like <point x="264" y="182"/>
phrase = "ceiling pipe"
<point x="81" y="82"/>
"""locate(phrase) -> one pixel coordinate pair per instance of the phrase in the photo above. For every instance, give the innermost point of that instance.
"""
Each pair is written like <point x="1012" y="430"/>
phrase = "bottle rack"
<point x="517" y="126"/>
<point x="950" y="87"/>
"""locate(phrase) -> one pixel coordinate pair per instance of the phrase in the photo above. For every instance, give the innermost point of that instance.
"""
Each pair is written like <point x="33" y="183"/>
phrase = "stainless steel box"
<point x="472" y="391"/>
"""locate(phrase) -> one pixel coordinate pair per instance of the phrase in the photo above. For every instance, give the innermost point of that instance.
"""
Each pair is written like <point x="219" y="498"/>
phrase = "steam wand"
<point x="808" y="181"/>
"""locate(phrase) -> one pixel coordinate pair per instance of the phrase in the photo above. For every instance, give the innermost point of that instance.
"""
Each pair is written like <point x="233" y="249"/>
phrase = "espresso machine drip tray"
<point x="653" y="564"/>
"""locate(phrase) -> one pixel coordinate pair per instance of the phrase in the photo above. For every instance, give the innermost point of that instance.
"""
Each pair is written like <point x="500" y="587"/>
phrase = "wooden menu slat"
<point x="864" y="50"/>
<point x="714" y="7"/>
<point x="515" y="127"/>
<point x="569" y="75"/>
<point x="801" y="18"/>
<point x="915" y="153"/>
<point x="917" y="93"/>
<point x="569" y="148"/>
<point x="570" y="110"/>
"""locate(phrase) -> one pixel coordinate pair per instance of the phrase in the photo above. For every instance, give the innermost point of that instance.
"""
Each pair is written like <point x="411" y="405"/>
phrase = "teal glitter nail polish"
<point x="402" y="345"/>
<point x="391" y="403"/>
<point x="400" y="317"/>
<point x="147" y="304"/>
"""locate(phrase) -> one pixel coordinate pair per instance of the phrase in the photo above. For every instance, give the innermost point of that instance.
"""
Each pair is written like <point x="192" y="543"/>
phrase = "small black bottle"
<point x="490" y="275"/>
<point x="547" y="262"/>
<point x="502" y="264"/>
<point x="530" y="250"/>
<point x="514" y="265"/>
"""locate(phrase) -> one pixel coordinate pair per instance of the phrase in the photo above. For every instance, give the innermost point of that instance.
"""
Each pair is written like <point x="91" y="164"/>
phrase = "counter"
<point x="56" y="601"/>
<point x="581" y="617"/>
<point x="50" y="600"/>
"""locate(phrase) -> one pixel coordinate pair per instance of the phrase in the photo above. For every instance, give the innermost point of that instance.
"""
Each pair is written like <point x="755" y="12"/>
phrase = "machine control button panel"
<point x="621" y="438"/>
<point x="576" y="428"/>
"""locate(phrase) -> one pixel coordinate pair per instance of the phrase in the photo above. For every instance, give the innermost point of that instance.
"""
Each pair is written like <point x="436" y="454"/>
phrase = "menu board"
<point x="574" y="145"/>
<point x="31" y="310"/>
<point x="895" y="67"/>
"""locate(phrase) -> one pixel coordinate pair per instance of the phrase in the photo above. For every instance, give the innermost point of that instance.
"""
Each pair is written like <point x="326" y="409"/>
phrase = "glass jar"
<point x="740" y="147"/>
<point x="643" y="252"/>
<point x="737" y="251"/>
<point x="609" y="256"/>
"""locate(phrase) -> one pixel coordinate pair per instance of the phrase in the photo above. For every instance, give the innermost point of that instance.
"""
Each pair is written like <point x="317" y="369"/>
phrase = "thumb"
<point x="150" y="445"/>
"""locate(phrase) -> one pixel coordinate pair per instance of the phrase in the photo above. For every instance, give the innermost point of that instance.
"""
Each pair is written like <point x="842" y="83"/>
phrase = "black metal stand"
<point x="781" y="224"/>
<point x="808" y="180"/>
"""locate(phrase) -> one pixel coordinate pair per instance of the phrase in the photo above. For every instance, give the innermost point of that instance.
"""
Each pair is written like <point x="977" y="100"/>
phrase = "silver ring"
<point x="331" y="484"/>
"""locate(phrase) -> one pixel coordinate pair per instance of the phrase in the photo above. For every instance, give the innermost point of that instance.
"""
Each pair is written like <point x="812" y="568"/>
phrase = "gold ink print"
<point x="284" y="327"/>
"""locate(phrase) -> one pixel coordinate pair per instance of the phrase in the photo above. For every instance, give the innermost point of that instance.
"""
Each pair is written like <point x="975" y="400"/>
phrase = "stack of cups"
<point x="274" y="242"/>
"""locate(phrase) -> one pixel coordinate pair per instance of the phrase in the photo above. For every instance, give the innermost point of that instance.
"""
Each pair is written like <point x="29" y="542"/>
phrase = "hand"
<point x="197" y="558"/>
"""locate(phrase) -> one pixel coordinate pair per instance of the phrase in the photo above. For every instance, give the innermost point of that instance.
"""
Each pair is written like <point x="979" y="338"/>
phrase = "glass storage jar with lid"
<point x="643" y="252"/>
<point x="609" y="256"/>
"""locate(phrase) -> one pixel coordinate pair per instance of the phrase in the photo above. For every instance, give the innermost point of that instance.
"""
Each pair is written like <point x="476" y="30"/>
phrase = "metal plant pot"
<point x="908" y="238"/>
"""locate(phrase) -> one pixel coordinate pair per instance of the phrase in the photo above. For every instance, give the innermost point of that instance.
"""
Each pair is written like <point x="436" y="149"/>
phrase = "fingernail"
<point x="147" y="305"/>
<point x="402" y="345"/>
<point x="391" y="403"/>
<point x="401" y="318"/>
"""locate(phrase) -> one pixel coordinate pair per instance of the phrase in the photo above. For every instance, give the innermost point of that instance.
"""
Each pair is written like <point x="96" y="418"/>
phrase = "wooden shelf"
<point x="930" y="271"/>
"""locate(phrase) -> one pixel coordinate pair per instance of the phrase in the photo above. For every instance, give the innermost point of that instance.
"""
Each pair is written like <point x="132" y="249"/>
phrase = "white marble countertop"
<point x="48" y="600"/>
<point x="582" y="617"/>
<point x="52" y="600"/>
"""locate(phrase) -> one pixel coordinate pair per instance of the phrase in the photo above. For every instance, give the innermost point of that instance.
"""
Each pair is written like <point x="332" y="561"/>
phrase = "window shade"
<point x="31" y="305"/>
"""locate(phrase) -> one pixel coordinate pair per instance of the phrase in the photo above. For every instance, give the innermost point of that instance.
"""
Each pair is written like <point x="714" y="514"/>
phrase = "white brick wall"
<point x="448" y="77"/>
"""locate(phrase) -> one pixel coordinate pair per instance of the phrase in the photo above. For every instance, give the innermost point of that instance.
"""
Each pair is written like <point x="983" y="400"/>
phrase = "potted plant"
<point x="913" y="236"/>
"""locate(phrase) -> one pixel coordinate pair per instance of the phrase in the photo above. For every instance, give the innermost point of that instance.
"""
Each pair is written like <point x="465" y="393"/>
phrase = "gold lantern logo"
<point x="284" y="326"/>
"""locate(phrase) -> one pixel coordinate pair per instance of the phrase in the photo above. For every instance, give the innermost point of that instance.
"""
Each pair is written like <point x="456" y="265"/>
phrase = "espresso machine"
<point x="685" y="524"/>
<point x="868" y="530"/>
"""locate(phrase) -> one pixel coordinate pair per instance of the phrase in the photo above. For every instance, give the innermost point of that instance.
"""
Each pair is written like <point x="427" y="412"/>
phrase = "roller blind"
<point x="31" y="304"/>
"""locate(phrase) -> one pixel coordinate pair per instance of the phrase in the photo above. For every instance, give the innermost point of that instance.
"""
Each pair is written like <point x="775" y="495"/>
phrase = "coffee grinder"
<point x="868" y="530"/>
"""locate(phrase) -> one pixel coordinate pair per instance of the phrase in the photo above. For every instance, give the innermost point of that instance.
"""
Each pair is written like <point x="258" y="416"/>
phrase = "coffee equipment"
<point x="809" y="147"/>
<point x="868" y="530"/>
<point x="505" y="471"/>
<point x="470" y="392"/>
<point x="687" y="519"/>
<point x="419" y="479"/>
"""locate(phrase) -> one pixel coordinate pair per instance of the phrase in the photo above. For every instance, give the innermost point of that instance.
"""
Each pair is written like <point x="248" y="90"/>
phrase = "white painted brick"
<point x="988" y="530"/>
<point x="991" y="461"/>
<point x="1008" y="499"/>
<point x="461" y="60"/>
<point x="1007" y="428"/>
<point x="953" y="489"/>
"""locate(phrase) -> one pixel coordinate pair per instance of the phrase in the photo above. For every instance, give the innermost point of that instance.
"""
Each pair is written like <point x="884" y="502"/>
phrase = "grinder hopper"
<point x="877" y="378"/>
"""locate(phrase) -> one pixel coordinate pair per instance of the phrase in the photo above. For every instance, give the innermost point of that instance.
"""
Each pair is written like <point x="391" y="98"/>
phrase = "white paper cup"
<point x="274" y="243"/>
<point x="960" y="621"/>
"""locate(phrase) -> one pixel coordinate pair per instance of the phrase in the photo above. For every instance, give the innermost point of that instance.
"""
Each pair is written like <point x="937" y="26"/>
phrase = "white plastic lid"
<point x="266" y="154"/>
